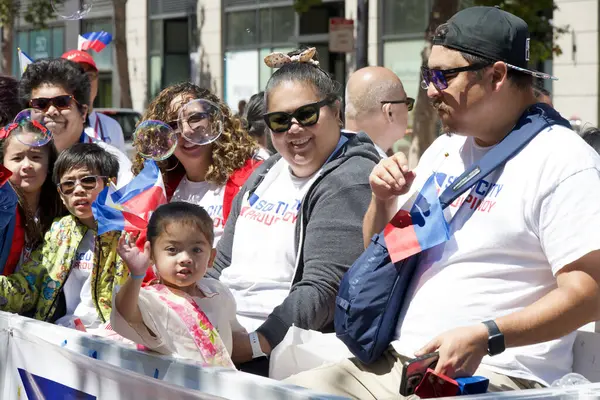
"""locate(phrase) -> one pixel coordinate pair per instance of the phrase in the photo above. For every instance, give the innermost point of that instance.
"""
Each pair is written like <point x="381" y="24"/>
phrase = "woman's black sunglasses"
<point x="306" y="115"/>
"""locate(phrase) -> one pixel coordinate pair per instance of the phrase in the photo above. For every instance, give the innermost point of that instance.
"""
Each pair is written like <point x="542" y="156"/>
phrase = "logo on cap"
<point x="527" y="50"/>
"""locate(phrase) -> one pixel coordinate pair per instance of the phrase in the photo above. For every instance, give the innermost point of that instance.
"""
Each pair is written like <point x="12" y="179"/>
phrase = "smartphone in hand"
<point x="414" y="370"/>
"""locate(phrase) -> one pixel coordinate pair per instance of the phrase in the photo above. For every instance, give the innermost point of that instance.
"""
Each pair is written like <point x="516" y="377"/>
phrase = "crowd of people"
<point x="263" y="221"/>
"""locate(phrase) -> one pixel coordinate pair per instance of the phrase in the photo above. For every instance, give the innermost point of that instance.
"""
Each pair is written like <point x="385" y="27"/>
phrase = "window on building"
<point x="241" y="28"/>
<point x="250" y="36"/>
<point x="39" y="44"/>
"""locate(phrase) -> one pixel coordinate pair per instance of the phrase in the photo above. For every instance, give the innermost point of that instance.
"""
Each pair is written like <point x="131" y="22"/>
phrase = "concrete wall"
<point x="350" y="11"/>
<point x="210" y="52"/>
<point x="137" y="51"/>
<point x="576" y="91"/>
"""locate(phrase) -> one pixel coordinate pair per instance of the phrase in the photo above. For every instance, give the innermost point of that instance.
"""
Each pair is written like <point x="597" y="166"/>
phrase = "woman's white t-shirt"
<point x="263" y="255"/>
<point x="208" y="196"/>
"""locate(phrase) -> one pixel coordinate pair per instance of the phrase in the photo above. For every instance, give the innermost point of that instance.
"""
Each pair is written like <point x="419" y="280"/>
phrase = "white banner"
<point x="37" y="358"/>
<point x="37" y="370"/>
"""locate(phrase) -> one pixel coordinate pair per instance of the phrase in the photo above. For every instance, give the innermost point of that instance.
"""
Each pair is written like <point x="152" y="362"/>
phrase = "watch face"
<point x="496" y="344"/>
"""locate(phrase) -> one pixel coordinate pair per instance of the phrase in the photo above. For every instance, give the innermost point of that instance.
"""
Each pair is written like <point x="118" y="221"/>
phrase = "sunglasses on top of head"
<point x="307" y="115"/>
<point x="439" y="77"/>
<point x="59" y="102"/>
<point x="87" y="183"/>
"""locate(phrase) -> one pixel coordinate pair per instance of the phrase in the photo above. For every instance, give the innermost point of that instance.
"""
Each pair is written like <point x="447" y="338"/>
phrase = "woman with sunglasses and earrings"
<point x="208" y="170"/>
<point x="298" y="219"/>
<point x="59" y="90"/>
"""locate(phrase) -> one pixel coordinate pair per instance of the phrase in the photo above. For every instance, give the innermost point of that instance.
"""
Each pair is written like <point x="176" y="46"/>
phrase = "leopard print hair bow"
<point x="278" y="60"/>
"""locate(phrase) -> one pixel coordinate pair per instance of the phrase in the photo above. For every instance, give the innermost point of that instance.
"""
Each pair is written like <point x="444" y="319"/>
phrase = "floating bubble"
<point x="29" y="128"/>
<point x="72" y="10"/>
<point x="155" y="140"/>
<point x="200" y="122"/>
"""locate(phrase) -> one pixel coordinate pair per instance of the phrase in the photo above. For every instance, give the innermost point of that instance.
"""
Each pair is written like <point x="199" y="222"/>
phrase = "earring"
<point x="171" y="169"/>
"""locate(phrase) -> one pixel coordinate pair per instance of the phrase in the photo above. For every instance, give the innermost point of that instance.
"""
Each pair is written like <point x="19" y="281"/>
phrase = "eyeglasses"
<point x="439" y="76"/>
<point x="192" y="120"/>
<point x="87" y="183"/>
<point x="306" y="115"/>
<point x="60" y="102"/>
<point x="409" y="101"/>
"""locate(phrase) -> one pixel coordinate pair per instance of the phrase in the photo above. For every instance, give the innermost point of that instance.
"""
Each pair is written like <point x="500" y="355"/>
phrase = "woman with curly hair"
<point x="208" y="175"/>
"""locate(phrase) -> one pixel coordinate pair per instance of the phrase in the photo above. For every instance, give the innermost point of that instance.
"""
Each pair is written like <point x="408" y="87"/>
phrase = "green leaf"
<point x="538" y="15"/>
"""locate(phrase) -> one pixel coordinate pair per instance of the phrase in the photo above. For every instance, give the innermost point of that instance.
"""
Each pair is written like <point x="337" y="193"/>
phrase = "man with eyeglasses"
<point x="376" y="104"/>
<point x="100" y="126"/>
<point x="503" y="297"/>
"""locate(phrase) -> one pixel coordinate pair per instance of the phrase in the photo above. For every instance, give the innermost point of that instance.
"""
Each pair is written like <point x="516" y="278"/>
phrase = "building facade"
<point x="61" y="35"/>
<point x="221" y="44"/>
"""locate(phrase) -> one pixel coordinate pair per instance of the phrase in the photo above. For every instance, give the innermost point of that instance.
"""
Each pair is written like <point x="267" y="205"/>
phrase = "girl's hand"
<point x="136" y="260"/>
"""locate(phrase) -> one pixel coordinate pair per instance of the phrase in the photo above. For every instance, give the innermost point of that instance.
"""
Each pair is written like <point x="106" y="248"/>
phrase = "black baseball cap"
<point x="491" y="33"/>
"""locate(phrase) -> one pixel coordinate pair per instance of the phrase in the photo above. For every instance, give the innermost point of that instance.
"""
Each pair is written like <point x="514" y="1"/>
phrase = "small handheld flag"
<point x="24" y="60"/>
<point x="129" y="208"/>
<point x="419" y="229"/>
<point x="96" y="41"/>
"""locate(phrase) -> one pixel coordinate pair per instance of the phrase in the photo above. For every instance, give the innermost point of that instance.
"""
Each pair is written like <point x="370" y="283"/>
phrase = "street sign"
<point x="341" y="35"/>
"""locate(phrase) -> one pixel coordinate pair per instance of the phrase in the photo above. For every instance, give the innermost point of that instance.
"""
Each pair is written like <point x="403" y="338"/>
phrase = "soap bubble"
<point x="570" y="379"/>
<point x="29" y="128"/>
<point x="200" y="122"/>
<point x="72" y="10"/>
<point x="155" y="140"/>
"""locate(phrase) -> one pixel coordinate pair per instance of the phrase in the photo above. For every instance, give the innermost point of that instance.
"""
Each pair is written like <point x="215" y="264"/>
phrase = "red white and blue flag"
<point x="418" y="226"/>
<point x="129" y="208"/>
<point x="94" y="41"/>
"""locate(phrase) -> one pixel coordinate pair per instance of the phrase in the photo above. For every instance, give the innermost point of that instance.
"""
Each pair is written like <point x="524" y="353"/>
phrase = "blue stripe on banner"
<point x="39" y="388"/>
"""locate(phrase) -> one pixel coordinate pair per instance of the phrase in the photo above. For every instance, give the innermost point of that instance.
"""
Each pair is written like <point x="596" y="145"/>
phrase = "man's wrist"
<point x="389" y="205"/>
<point x="495" y="340"/>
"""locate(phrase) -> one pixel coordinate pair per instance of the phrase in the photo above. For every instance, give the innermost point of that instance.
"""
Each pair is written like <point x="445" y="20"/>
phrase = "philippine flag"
<point x="24" y="60"/>
<point x="96" y="41"/>
<point x="129" y="208"/>
<point x="419" y="229"/>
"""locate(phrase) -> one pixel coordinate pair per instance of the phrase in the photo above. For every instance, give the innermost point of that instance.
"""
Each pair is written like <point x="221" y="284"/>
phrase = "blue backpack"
<point x="373" y="290"/>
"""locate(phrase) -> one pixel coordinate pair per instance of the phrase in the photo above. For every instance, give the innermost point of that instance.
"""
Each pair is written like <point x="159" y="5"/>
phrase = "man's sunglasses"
<point x="59" y="102"/>
<point x="306" y="115"/>
<point x="87" y="182"/>
<point x="439" y="76"/>
<point x="409" y="101"/>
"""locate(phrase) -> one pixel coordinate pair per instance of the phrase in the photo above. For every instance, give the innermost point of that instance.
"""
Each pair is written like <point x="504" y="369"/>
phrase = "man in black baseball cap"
<point x="478" y="61"/>
<point x="503" y="297"/>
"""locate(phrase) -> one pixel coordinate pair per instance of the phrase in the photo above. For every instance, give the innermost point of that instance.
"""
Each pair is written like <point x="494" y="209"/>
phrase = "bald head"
<point x="368" y="87"/>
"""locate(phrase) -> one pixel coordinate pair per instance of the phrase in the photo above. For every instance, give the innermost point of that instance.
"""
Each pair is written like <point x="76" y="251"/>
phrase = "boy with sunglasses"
<point x="71" y="278"/>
